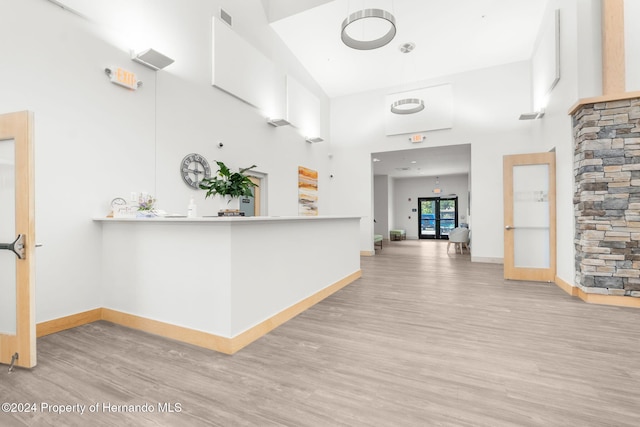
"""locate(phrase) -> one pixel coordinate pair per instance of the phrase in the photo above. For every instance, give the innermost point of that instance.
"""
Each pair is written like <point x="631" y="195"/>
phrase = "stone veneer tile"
<point x="607" y="197"/>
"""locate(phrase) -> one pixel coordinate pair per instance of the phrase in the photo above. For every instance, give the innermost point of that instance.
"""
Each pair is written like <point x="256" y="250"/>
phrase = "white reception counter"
<point x="221" y="283"/>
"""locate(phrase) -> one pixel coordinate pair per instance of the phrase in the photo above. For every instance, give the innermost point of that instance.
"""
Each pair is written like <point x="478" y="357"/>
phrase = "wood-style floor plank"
<point x="424" y="338"/>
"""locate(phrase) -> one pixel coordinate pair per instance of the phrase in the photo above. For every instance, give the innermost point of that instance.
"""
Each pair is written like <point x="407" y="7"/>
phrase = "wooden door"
<point x="530" y="217"/>
<point x="17" y="220"/>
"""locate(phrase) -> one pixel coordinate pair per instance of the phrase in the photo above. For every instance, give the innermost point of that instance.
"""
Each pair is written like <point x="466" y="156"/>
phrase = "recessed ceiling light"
<point x="413" y="162"/>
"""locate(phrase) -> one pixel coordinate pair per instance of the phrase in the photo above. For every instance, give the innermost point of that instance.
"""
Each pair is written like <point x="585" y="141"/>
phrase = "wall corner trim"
<point x="567" y="287"/>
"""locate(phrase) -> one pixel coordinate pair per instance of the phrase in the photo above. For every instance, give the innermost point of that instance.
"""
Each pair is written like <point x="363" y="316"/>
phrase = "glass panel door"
<point x="7" y="235"/>
<point x="448" y="216"/>
<point x="437" y="217"/>
<point x="17" y="237"/>
<point x="529" y="217"/>
<point x="427" y="208"/>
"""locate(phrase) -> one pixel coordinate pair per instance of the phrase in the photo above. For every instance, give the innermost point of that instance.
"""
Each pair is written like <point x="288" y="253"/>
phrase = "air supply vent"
<point x="225" y="17"/>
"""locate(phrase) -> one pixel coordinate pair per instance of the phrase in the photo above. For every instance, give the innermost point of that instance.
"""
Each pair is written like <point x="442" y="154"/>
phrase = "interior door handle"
<point x="17" y="247"/>
<point x="509" y="227"/>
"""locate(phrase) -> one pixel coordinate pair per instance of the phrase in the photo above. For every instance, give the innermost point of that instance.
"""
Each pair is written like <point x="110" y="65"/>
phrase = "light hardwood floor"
<point x="422" y="339"/>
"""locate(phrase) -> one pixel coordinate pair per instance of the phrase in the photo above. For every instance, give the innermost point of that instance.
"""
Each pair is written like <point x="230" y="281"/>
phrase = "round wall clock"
<point x="193" y="169"/>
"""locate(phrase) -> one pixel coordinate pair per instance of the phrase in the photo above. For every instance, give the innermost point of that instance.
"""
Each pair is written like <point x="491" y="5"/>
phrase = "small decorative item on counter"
<point x="120" y="209"/>
<point x="146" y="204"/>
<point x="192" y="209"/>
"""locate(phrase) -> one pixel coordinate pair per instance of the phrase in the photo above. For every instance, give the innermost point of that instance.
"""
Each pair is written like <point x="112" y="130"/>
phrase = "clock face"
<point x="193" y="169"/>
<point x="118" y="201"/>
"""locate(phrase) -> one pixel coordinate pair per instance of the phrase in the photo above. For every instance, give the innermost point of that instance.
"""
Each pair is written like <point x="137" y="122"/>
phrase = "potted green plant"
<point x="229" y="185"/>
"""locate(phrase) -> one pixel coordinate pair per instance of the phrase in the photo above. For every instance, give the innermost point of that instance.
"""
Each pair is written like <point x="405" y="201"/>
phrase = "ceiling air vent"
<point x="225" y="17"/>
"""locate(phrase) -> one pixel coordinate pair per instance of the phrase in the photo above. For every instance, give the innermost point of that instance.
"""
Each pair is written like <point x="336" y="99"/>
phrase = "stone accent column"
<point x="607" y="197"/>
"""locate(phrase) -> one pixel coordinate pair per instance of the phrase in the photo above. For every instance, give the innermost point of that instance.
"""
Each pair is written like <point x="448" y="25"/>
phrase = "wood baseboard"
<point x="567" y="287"/>
<point x="192" y="336"/>
<point x="167" y="330"/>
<point x="608" y="299"/>
<point x="367" y="253"/>
<point x="263" y="328"/>
<point x="68" y="322"/>
<point x="487" y="260"/>
<point x="613" y="300"/>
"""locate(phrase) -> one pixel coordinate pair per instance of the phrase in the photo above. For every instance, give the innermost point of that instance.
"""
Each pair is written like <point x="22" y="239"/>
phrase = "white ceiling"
<point x="451" y="36"/>
<point x="431" y="161"/>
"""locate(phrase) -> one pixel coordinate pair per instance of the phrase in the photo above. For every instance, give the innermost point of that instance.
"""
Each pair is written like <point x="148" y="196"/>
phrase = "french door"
<point x="17" y="237"/>
<point x="438" y="216"/>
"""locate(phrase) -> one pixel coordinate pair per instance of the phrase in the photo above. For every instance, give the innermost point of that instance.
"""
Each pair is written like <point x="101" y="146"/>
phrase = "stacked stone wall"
<point x="607" y="197"/>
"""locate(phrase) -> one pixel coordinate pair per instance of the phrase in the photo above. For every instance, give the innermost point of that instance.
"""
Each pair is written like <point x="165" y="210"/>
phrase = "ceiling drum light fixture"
<point x="407" y="106"/>
<point x="370" y="15"/>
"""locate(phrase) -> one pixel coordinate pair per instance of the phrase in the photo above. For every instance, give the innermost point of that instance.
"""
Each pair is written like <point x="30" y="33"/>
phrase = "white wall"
<point x="581" y="77"/>
<point x="487" y="104"/>
<point x="408" y="190"/>
<point x="96" y="141"/>
<point x="381" y="186"/>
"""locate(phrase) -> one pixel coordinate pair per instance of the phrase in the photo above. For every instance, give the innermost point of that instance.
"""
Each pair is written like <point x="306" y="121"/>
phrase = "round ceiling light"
<point x="369" y="14"/>
<point x="407" y="106"/>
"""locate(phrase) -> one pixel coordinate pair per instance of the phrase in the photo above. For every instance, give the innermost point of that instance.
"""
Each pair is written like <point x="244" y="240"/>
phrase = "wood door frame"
<point x="510" y="271"/>
<point x="20" y="128"/>
<point x="256" y="194"/>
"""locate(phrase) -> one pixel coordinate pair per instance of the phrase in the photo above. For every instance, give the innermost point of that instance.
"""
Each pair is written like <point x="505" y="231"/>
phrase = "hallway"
<point x="424" y="338"/>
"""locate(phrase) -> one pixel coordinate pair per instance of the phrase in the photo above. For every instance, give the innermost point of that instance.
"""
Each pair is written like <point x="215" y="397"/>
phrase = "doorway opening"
<point x="438" y="216"/>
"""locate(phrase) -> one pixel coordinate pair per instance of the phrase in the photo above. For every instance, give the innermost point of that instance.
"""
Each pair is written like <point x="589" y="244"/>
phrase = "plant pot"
<point x="230" y="204"/>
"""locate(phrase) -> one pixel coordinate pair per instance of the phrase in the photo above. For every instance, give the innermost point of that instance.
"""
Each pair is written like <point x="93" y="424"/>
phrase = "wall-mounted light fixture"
<point x="152" y="59"/>
<point x="277" y="122"/>
<point x="313" y="139"/>
<point x="532" y="116"/>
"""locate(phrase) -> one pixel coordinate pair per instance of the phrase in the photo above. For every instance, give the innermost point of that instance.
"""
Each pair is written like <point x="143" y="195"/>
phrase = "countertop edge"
<point x="238" y="219"/>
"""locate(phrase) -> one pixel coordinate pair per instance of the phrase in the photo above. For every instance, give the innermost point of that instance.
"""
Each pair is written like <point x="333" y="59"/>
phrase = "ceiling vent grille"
<point x="225" y="17"/>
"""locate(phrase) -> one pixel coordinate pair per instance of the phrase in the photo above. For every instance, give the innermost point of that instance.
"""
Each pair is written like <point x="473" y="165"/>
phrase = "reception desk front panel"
<point x="223" y="276"/>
